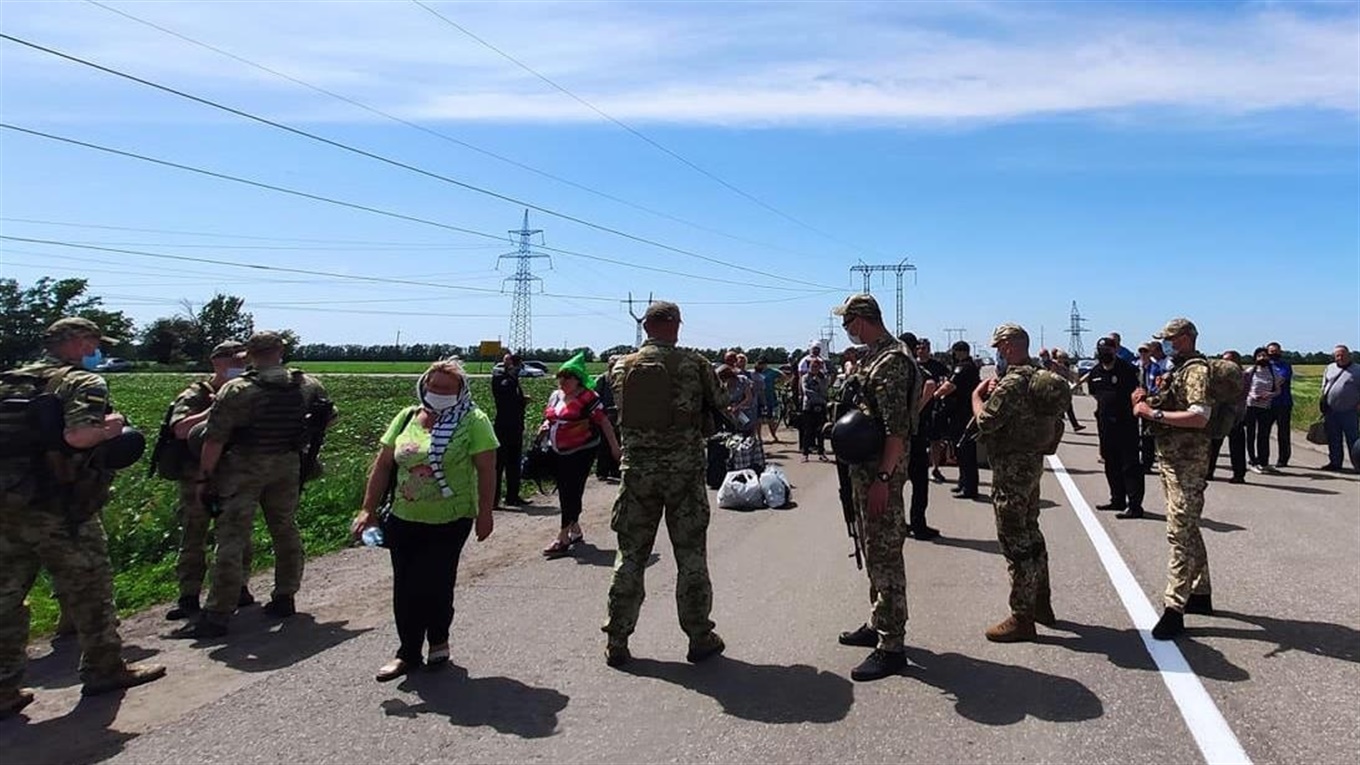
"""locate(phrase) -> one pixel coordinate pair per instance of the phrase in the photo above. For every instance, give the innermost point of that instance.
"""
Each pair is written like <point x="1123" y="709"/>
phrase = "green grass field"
<point x="408" y="367"/>
<point x="1307" y="389"/>
<point x="141" y="520"/>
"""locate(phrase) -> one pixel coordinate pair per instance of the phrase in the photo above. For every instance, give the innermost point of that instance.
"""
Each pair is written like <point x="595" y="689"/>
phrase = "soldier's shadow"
<point x="980" y="545"/>
<point x="80" y="736"/>
<point x="1003" y="694"/>
<point x="763" y="693"/>
<point x="258" y="644"/>
<point x="587" y="554"/>
<point x="1208" y="524"/>
<point x="1334" y="641"/>
<point x="1124" y="648"/>
<point x="59" y="668"/>
<point x="507" y="705"/>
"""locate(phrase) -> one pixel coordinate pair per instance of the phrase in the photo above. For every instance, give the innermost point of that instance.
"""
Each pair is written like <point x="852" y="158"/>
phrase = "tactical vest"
<point x="648" y="398"/>
<point x="863" y="395"/>
<point x="278" y="417"/>
<point x="27" y="430"/>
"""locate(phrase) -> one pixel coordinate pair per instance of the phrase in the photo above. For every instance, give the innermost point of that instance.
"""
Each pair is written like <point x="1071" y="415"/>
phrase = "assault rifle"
<point x="319" y="415"/>
<point x="854" y="524"/>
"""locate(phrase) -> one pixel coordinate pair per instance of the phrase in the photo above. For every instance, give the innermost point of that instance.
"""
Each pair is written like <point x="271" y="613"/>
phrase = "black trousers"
<point x="1119" y="446"/>
<point x="424" y="570"/>
<point x="1258" y="422"/>
<point x="918" y="473"/>
<point x="508" y="457"/>
<point x="810" y="430"/>
<point x="1147" y="446"/>
<point x="1284" y="416"/>
<point x="572" y="472"/>
<point x="605" y="465"/>
<point x="966" y="453"/>
<point x="1237" y="451"/>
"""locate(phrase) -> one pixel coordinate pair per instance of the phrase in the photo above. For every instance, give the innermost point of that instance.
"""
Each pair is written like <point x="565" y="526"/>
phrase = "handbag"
<point x="539" y="462"/>
<point x="389" y="496"/>
<point x="1317" y="433"/>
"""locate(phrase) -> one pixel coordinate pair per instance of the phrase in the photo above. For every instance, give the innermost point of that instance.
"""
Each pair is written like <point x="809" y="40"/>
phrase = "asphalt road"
<point x="1278" y="663"/>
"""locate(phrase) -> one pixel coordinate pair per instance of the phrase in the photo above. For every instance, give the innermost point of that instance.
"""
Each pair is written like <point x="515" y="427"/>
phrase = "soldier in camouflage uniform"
<point x="1179" y="415"/>
<point x="1006" y="419"/>
<point x="46" y="522"/>
<point x="664" y="397"/>
<point x="888" y="382"/>
<point x="251" y="460"/>
<point x="189" y="409"/>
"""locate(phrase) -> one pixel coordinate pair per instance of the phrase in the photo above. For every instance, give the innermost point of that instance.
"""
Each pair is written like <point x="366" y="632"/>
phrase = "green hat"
<point x="75" y="326"/>
<point x="576" y="365"/>
<point x="1008" y="331"/>
<point x="1175" y="327"/>
<point x="864" y="306"/>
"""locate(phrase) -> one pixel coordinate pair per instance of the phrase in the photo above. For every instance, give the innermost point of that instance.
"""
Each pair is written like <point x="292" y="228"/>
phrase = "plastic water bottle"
<point x="373" y="536"/>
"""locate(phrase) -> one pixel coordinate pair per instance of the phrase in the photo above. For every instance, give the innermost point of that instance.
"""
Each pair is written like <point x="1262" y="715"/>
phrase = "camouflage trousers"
<point x="645" y="497"/>
<point x="33" y="537"/>
<point x="246" y="482"/>
<point x="1015" y="498"/>
<point x="192" y="564"/>
<point x="1183" y="480"/>
<point x="883" y="559"/>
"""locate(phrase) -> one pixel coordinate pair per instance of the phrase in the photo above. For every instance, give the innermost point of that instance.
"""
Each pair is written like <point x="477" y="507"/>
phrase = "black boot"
<point x="924" y="533"/>
<point x="878" y="665"/>
<point x="1170" y="625"/>
<point x="245" y="599"/>
<point x="1200" y="604"/>
<point x="185" y="608"/>
<point x="1132" y="512"/>
<point x="280" y="607"/>
<point x="863" y="637"/>
<point x="206" y="626"/>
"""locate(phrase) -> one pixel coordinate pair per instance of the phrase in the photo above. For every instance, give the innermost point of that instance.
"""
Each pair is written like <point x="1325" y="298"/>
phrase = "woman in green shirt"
<point x="440" y="456"/>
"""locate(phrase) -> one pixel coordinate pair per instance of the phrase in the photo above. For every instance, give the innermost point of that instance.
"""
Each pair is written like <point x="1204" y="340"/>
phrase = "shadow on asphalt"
<point x="1258" y="483"/>
<point x="80" y="736"/>
<point x="539" y="507"/>
<point x="587" y="554"/>
<point x="1082" y="471"/>
<point x="60" y="668"/>
<point x="1124" y="648"/>
<point x="1208" y="524"/>
<point x="1334" y="641"/>
<point x="764" y="693"/>
<point x="254" y="645"/>
<point x="980" y="545"/>
<point x="1003" y="694"/>
<point x="509" y="706"/>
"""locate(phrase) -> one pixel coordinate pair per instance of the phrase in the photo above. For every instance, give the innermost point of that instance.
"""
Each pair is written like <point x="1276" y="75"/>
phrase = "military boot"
<point x="617" y="655"/>
<point x="1170" y="625"/>
<point x="1200" y="604"/>
<point x="704" y="647"/>
<point x="13" y="701"/>
<point x="127" y="676"/>
<point x="245" y="599"/>
<point x="206" y="626"/>
<point x="1043" y="609"/>
<point x="1015" y="629"/>
<point x="878" y="665"/>
<point x="185" y="608"/>
<point x="66" y="626"/>
<point x="280" y="607"/>
<point x="863" y="637"/>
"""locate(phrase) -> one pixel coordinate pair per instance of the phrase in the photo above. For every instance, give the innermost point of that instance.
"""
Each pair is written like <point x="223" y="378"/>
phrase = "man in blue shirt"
<point x="1119" y="350"/>
<point x="1149" y="369"/>
<point x="1283" y="404"/>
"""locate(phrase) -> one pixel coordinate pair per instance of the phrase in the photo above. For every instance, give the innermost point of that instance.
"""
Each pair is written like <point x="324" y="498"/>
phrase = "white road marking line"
<point x="1216" y="740"/>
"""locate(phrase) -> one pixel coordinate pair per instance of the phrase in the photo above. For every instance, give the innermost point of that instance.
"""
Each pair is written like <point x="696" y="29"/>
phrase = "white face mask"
<point x="231" y="373"/>
<point x="437" y="402"/>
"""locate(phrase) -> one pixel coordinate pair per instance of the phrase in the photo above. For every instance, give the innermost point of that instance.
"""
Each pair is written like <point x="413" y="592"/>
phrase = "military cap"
<point x="74" y="326"/>
<point x="227" y="348"/>
<point x="1175" y="327"/>
<point x="1008" y="331"/>
<point x="864" y="306"/>
<point x="263" y="342"/>
<point x="662" y="310"/>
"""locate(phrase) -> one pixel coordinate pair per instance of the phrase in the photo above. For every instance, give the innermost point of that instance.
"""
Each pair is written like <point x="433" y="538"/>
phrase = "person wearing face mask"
<point x="189" y="409"/>
<point x="262" y="415"/>
<point x="1180" y="413"/>
<point x="1282" y="406"/>
<point x="1263" y="387"/>
<point x="957" y="393"/>
<point x="1111" y="383"/>
<point x="438" y="462"/>
<point x="50" y="515"/>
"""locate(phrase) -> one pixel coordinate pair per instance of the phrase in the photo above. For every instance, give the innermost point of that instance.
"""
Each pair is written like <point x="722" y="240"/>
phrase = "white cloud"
<point x="711" y="63"/>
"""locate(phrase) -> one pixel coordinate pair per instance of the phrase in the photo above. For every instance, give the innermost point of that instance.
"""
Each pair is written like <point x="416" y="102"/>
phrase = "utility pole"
<point x="1075" y="331"/>
<point x="636" y="318"/>
<point x="900" y="268"/>
<point x="828" y="334"/>
<point x="521" y="311"/>
<point x="950" y="332"/>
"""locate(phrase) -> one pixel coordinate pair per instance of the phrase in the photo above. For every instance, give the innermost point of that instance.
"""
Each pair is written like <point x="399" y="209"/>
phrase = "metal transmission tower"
<point x="1075" y="331"/>
<point x="828" y="335"/>
<point x="636" y="318"/>
<point x="869" y="270"/>
<point x="521" y="311"/>
<point x="950" y="332"/>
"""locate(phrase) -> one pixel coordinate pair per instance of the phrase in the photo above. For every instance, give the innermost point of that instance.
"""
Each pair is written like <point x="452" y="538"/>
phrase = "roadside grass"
<point x="141" y="519"/>
<point x="410" y="367"/>
<point x="1306" y="389"/>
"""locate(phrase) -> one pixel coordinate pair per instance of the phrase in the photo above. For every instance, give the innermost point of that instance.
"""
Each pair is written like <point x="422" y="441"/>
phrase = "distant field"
<point x="407" y="367"/>
<point x="1307" y="389"/>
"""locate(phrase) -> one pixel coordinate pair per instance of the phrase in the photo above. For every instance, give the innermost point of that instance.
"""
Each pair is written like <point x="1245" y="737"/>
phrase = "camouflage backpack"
<point x="1051" y="396"/>
<point x="1227" y="395"/>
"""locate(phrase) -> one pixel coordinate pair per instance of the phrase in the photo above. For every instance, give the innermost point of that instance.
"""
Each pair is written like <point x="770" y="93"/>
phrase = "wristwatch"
<point x="1158" y="415"/>
<point x="883" y="476"/>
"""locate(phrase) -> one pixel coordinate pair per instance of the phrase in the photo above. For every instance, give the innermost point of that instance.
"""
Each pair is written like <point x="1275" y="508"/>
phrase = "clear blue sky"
<point x="1147" y="161"/>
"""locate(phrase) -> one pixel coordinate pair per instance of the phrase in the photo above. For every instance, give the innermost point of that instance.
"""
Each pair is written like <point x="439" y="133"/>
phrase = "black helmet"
<point x="857" y="438"/>
<point x="123" y="450"/>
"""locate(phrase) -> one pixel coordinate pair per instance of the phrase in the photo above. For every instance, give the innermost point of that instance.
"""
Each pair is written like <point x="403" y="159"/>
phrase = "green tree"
<point x="223" y="318"/>
<point x="26" y="313"/>
<point x="171" y="340"/>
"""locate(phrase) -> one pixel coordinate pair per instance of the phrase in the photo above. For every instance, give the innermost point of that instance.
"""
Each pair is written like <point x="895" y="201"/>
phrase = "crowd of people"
<point x="245" y="439"/>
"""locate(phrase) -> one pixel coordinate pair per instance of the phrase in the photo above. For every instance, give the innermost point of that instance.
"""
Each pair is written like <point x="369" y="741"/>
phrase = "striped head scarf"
<point x="447" y="421"/>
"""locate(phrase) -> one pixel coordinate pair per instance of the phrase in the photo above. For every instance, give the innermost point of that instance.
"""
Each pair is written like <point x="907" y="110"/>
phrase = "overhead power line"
<point x="403" y="165"/>
<point x="218" y="235"/>
<point x="637" y="133"/>
<point x="375" y="210"/>
<point x="440" y="134"/>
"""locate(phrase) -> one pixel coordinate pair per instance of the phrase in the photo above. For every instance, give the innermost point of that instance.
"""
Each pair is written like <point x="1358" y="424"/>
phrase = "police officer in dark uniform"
<point x="1111" y="383"/>
<point x="964" y="377"/>
<point x="918" y="466"/>
<point x="509" y="425"/>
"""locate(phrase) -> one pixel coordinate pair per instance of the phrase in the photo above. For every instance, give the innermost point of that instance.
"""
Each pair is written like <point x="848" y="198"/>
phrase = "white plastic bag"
<point x="774" y="485"/>
<point x="740" y="490"/>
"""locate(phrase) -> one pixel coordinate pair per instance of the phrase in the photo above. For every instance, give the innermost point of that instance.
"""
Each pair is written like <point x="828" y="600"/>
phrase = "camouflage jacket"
<point x="1185" y="386"/>
<point x="695" y="391"/>
<point x="234" y="407"/>
<point x="84" y="397"/>
<point x="1009" y="418"/>
<point x="196" y="398"/>
<point x="889" y="381"/>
